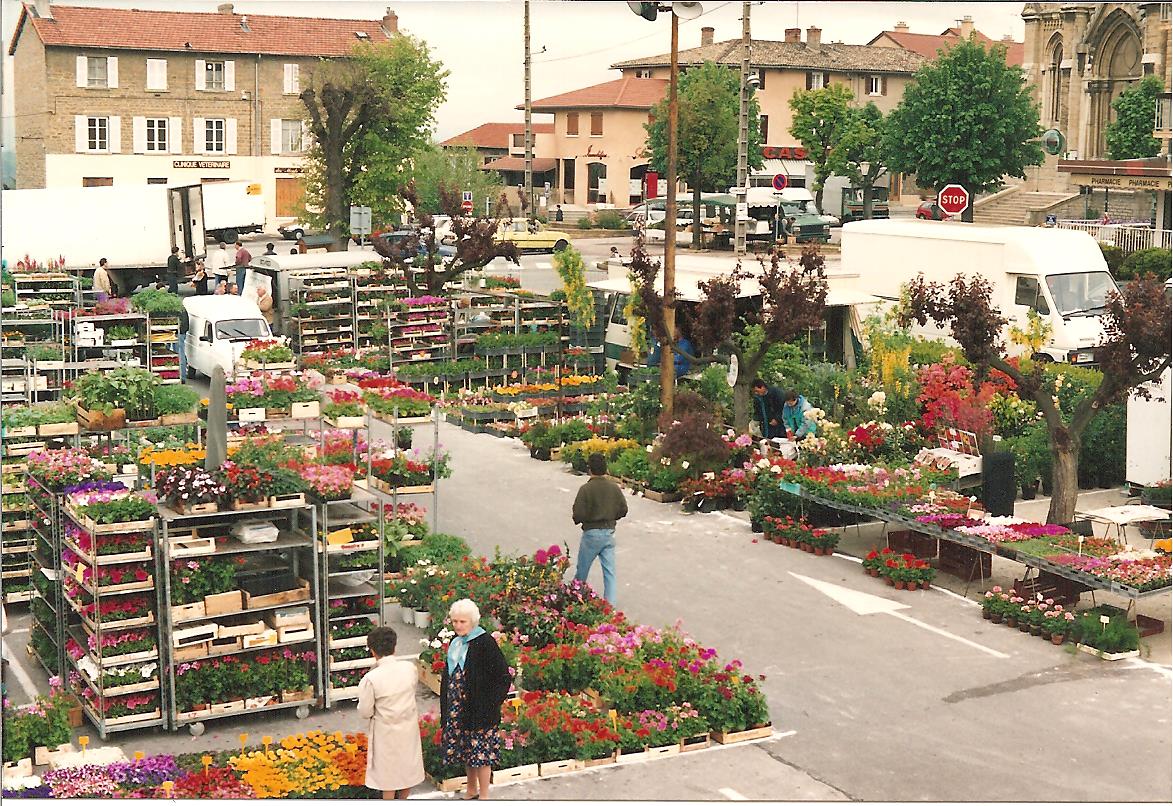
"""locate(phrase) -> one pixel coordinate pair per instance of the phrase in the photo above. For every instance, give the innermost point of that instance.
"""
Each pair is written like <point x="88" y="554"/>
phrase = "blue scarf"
<point x="458" y="648"/>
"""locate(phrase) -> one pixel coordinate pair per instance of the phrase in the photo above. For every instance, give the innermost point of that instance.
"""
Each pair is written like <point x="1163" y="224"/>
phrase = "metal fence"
<point x="1129" y="236"/>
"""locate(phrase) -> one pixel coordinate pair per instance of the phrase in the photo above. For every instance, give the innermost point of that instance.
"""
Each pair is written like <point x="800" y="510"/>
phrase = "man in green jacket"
<point x="598" y="505"/>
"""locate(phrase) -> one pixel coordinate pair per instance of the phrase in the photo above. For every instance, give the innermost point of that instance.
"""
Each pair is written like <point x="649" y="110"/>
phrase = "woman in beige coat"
<point x="386" y="699"/>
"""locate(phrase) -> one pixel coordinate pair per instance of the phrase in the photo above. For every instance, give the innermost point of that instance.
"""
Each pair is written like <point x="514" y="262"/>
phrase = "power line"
<point x="623" y="44"/>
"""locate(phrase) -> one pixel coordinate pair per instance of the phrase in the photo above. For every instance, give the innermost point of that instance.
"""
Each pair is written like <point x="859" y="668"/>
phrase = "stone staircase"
<point x="1012" y="207"/>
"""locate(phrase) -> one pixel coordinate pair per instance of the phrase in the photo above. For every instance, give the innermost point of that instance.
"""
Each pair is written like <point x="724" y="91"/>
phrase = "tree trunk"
<point x="335" y="198"/>
<point x="696" y="213"/>
<point x="742" y="396"/>
<point x="867" y="202"/>
<point x="1064" y="479"/>
<point x="967" y="213"/>
<point x="819" y="197"/>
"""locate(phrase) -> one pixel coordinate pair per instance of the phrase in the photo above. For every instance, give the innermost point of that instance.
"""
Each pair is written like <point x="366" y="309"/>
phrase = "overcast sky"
<point x="481" y="43"/>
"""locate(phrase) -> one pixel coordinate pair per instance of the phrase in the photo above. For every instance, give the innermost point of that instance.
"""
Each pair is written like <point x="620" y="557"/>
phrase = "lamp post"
<point x="529" y="127"/>
<point x="688" y="11"/>
<point x="743" y="136"/>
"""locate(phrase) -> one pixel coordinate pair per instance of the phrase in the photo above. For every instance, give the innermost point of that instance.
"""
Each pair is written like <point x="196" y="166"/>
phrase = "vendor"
<point x="680" y="363"/>
<point x="768" y="404"/>
<point x="794" y="419"/>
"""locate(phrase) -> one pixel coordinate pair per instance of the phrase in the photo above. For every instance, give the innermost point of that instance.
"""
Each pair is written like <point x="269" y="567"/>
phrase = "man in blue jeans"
<point x="598" y="505"/>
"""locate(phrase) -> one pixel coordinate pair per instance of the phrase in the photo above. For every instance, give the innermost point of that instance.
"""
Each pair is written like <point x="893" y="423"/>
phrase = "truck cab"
<point x="220" y="326"/>
<point x="851" y="208"/>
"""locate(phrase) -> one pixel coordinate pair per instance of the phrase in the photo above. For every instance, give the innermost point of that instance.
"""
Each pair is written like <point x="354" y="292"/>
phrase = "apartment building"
<point x="493" y="141"/>
<point x="111" y="96"/>
<point x="929" y="45"/>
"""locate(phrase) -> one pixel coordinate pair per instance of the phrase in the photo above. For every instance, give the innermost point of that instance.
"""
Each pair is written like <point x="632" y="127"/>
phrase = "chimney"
<point x="814" y="37"/>
<point x="42" y="9"/>
<point x="390" y="21"/>
<point x="224" y="8"/>
<point x="966" y="26"/>
<point x="1009" y="38"/>
<point x="902" y="27"/>
<point x="706" y="36"/>
<point x="794" y="35"/>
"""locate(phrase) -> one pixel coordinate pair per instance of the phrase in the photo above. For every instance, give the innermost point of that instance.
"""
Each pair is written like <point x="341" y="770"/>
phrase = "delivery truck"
<point x="1060" y="274"/>
<point x="132" y="226"/>
<point x="232" y="209"/>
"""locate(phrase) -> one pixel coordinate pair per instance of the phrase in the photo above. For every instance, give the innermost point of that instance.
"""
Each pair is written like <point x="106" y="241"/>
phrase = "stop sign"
<point x="953" y="199"/>
<point x="466" y="206"/>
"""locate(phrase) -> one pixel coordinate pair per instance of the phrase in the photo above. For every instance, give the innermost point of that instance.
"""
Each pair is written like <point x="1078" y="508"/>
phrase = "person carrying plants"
<point x="597" y="507"/>
<point x="794" y="419"/>
<point x="768" y="405"/>
<point x="386" y="699"/>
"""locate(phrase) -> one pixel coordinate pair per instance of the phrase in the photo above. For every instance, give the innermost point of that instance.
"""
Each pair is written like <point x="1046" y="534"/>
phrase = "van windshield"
<point x="1082" y="293"/>
<point x="241" y="329"/>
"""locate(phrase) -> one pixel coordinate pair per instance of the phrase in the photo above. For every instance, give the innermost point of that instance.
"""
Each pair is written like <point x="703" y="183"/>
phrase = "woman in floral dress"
<point x="473" y="685"/>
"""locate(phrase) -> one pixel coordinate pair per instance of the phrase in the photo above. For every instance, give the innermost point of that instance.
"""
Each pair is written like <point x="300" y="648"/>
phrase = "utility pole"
<point x="742" y="136"/>
<point x="529" y="127"/>
<point x="667" y="360"/>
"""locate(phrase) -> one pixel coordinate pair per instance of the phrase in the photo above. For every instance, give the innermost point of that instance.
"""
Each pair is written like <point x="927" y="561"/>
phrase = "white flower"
<point x="649" y="449"/>
<point x="664" y="460"/>
<point x="684" y="465"/>
<point x="775" y="469"/>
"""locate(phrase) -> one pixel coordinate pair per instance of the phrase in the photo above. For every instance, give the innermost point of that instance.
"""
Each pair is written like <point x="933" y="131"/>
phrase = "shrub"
<point x="443" y="548"/>
<point x="1147" y="261"/>
<point x="1102" y="449"/>
<point x="631" y="464"/>
<point x="695" y="439"/>
<point x="1113" y="256"/>
<point x="609" y="219"/>
<point x="175" y="399"/>
<point x="931" y="351"/>
<point x="585" y="222"/>
<point x="1118" y="635"/>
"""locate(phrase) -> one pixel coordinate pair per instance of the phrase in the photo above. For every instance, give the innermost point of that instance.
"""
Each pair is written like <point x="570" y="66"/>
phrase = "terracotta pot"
<point x="1036" y="630"/>
<point x="987" y="615"/>
<point x="873" y="572"/>
<point x="890" y="581"/>
<point x="996" y="618"/>
<point x="899" y="584"/>
<point x="1012" y="622"/>
<point x="1023" y="627"/>
<point x="924" y="585"/>
<point x="1058" y="638"/>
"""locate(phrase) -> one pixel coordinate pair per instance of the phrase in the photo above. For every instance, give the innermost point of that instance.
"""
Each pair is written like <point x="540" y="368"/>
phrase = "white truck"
<point x="232" y="209"/>
<point x="132" y="226"/>
<point x="1061" y="274"/>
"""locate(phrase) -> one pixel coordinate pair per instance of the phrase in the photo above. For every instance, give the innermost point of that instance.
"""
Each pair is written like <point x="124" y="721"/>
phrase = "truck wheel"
<point x="562" y="244"/>
<point x="1042" y="358"/>
<point x="230" y="236"/>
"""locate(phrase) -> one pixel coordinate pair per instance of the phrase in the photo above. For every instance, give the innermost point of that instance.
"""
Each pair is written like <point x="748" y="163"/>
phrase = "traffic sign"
<point x="360" y="220"/>
<point x="780" y="182"/>
<point x="466" y="206"/>
<point x="953" y="199"/>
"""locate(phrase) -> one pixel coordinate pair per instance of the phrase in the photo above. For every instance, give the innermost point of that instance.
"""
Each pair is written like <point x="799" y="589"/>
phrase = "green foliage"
<point x="127" y="388"/>
<point x="490" y="341"/>
<point x="121" y="333"/>
<point x="967" y="117"/>
<point x="454" y="169"/>
<point x="44" y="352"/>
<point x="932" y="351"/>
<point x="156" y="302"/>
<point x="7" y="298"/>
<point x="1032" y="454"/>
<point x="713" y="385"/>
<point x="443" y="548"/>
<point x="585" y="223"/>
<point x="1118" y="635"/>
<point x="822" y="120"/>
<point x="1102" y="448"/>
<point x="1130" y="135"/>
<point x="859" y="155"/>
<point x="610" y="219"/>
<point x="1146" y="261"/>
<point x="580" y="301"/>
<point x="175" y="399"/>
<point x="631" y="464"/>
<point x="1113" y="256"/>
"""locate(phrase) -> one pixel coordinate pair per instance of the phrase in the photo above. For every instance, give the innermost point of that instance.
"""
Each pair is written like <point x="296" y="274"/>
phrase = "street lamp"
<point x="687" y="11"/>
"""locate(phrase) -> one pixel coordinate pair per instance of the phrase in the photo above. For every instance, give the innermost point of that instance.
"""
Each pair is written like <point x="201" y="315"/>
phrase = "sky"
<point x="574" y="43"/>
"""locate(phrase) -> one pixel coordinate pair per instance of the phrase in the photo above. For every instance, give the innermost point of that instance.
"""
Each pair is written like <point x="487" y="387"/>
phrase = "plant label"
<point x="1105" y="619"/>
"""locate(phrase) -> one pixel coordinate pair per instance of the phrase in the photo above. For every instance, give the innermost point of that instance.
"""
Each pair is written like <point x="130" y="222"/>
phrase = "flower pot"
<point x="890" y="581"/>
<point x="739" y="505"/>
<point x="1023" y="626"/>
<point x="1036" y="630"/>
<point x="755" y="526"/>
<point x="408" y="615"/>
<point x="1058" y="638"/>
<point x="873" y="572"/>
<point x="986" y="614"/>
<point x="541" y="454"/>
<point x="899" y="584"/>
<point x="422" y="618"/>
<point x="1011" y="622"/>
<point x="924" y="584"/>
<point x="1029" y="491"/>
<point x="996" y="618"/>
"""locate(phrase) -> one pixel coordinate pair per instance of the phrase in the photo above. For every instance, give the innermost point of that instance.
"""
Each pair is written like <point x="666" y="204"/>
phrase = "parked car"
<point x="929" y="210"/>
<point x="444" y="250"/>
<point x="541" y="239"/>
<point x="294" y="230"/>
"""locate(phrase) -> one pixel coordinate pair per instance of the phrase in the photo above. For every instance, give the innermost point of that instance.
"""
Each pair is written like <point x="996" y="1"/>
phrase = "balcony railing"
<point x="1128" y="236"/>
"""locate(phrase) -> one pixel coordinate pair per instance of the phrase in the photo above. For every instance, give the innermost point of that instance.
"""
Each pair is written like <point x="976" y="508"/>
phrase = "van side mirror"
<point x="1041" y="306"/>
<point x="1026" y="291"/>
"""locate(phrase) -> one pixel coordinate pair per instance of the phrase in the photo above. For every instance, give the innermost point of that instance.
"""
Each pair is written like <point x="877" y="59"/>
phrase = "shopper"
<point x="794" y="418"/>
<point x="269" y="249"/>
<point x="788" y="230"/>
<point x="103" y="282"/>
<point x="181" y="343"/>
<point x="473" y="685"/>
<point x="597" y="507"/>
<point x="243" y="258"/>
<point x="768" y="404"/>
<point x="174" y="270"/>
<point x="558" y="215"/>
<point x="200" y="279"/>
<point x="386" y="699"/>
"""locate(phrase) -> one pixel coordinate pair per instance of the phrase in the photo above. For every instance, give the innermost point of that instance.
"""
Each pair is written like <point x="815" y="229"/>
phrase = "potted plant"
<point x="122" y="336"/>
<point x="1158" y="494"/>
<point x="403" y="438"/>
<point x="246" y="487"/>
<point x="328" y="482"/>
<point x="1057" y="623"/>
<point x="190" y="490"/>
<point x="175" y="404"/>
<point x="345" y="409"/>
<point x="267" y="354"/>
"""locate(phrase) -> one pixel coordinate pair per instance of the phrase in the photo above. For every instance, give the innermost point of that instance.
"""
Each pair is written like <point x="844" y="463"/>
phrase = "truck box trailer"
<point x="233" y="208"/>
<point x="1060" y="274"/>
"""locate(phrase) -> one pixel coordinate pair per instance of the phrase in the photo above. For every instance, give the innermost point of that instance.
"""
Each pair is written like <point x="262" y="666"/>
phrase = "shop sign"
<point x="201" y="163"/>
<point x="1123" y="182"/>
<point x="783" y="153"/>
<point x="286" y="169"/>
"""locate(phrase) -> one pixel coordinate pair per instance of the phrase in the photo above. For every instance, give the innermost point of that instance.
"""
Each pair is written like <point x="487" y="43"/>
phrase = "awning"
<point x="784" y="167"/>
<point x="540" y="164"/>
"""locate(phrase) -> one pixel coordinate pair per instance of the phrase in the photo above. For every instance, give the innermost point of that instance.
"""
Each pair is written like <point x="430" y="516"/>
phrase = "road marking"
<point x="563" y="490"/>
<point x="21" y="631"/>
<point x="866" y="604"/>
<point x="846" y="557"/>
<point x="1137" y="663"/>
<point x="731" y="794"/>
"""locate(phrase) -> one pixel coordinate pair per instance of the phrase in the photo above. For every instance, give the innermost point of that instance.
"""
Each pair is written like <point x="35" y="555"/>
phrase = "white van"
<point x="1061" y="274"/>
<point x="220" y="326"/>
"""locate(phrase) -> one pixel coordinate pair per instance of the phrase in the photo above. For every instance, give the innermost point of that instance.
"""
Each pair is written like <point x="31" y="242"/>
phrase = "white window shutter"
<point x="229" y="75"/>
<point x="80" y="135"/>
<point x="275" y="135"/>
<point x="201" y="75"/>
<point x="230" y="135"/>
<point x="83" y="73"/>
<point x="138" y="132"/>
<point x="156" y="74"/>
<point x="288" y="75"/>
<point x="296" y="77"/>
<point x="115" y="124"/>
<point x="198" y="136"/>
<point x="292" y="79"/>
<point x="175" y="135"/>
<point x="112" y="72"/>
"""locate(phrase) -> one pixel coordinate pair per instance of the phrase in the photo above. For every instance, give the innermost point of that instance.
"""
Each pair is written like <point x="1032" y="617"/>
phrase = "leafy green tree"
<point x="456" y="169"/>
<point x="706" y="137"/>
<point x="821" y="120"/>
<point x="859" y="155"/>
<point x="367" y="115"/>
<point x="1130" y="135"/>
<point x="968" y="118"/>
<point x="580" y="302"/>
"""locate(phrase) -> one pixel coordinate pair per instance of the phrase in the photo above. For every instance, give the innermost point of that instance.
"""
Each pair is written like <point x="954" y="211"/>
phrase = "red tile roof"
<point x="540" y="164"/>
<point x="927" y="45"/>
<point x="204" y="32"/>
<point x="494" y="135"/>
<point x="627" y="92"/>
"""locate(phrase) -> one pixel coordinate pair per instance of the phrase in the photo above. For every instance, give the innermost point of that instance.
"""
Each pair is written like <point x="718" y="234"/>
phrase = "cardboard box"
<point x="265" y="638"/>
<point x="288" y="617"/>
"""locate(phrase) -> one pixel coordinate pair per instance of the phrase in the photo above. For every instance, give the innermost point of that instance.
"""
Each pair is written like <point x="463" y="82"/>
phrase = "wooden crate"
<point x="699" y="742"/>
<point x="299" y="594"/>
<point x="216" y="604"/>
<point x="548" y="769"/>
<point x="964" y="562"/>
<point x="430" y="679"/>
<point x="732" y="737"/>
<point x="906" y="541"/>
<point x="513" y="774"/>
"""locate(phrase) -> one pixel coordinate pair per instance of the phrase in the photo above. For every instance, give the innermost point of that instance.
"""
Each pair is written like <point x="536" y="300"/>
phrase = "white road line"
<point x="731" y="794"/>
<point x="945" y="634"/>
<point x="21" y="631"/>
<point x="846" y="557"/>
<point x="1137" y="663"/>
<point x="956" y="596"/>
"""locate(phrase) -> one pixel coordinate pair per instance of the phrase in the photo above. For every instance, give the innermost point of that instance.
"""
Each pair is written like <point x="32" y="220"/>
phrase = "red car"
<point x="929" y="210"/>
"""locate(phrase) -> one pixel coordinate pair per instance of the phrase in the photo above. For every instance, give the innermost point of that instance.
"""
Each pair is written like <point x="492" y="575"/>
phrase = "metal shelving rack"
<point x="432" y="489"/>
<point x="369" y="292"/>
<point x="93" y="665"/>
<point x="431" y="344"/>
<point x="46" y="576"/>
<point x="296" y="542"/>
<point x="328" y="324"/>
<point x="39" y="329"/>
<point x="86" y="357"/>
<point x="54" y="289"/>
<point x="161" y="336"/>
<point x="17" y="543"/>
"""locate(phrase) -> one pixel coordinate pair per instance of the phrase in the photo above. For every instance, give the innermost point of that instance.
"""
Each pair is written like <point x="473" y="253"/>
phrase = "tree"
<point x="418" y="258"/>
<point x="1130" y="135"/>
<point x="459" y="168"/>
<point x="968" y="118"/>
<point x="859" y="155"/>
<point x="367" y="115"/>
<point x="821" y="119"/>
<point x="792" y="302"/>
<point x="1134" y="352"/>
<point x="706" y="139"/>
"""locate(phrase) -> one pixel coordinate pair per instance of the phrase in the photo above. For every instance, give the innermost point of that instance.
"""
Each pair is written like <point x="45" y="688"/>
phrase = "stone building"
<point x="123" y="96"/>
